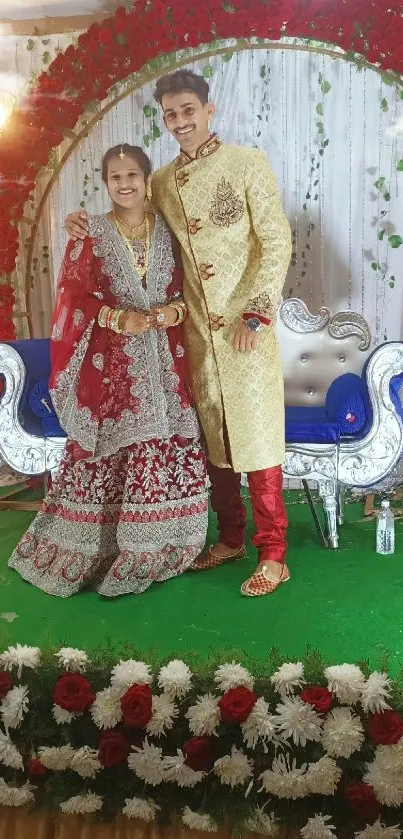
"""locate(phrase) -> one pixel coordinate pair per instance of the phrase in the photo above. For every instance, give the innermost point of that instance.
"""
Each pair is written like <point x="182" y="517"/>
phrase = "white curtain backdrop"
<point x="334" y="136"/>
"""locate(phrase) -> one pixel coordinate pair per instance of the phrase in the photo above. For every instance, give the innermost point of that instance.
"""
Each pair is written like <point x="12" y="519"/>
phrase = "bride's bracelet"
<point x="110" y="319"/>
<point x="181" y="311"/>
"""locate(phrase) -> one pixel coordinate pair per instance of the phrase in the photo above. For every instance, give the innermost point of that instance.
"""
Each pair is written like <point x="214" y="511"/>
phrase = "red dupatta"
<point x="82" y="290"/>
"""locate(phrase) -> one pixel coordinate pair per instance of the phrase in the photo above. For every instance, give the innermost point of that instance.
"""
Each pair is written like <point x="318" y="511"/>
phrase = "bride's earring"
<point x="149" y="192"/>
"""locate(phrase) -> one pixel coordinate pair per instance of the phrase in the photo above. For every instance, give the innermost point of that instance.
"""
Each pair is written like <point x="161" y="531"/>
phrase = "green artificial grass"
<point x="345" y="603"/>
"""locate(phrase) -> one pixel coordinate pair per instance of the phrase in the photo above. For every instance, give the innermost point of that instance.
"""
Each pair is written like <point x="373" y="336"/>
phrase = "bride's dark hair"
<point x="135" y="152"/>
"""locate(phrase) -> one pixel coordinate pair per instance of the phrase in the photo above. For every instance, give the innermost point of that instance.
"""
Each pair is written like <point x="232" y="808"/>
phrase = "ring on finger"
<point x="160" y="317"/>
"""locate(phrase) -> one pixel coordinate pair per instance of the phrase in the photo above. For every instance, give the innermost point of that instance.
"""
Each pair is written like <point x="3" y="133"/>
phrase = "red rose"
<point x="320" y="698"/>
<point x="386" y="728"/>
<point x="35" y="768"/>
<point x="73" y="693"/>
<point x="363" y="801"/>
<point x="6" y="684"/>
<point x="198" y="752"/>
<point x="236" y="704"/>
<point x="136" y="706"/>
<point x="113" y="748"/>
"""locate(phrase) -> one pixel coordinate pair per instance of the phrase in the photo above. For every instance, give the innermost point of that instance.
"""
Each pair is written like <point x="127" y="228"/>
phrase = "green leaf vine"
<point x="151" y="129"/>
<point x="312" y="193"/>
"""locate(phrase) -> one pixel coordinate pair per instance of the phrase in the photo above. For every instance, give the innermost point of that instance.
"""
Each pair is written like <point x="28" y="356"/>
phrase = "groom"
<point x="222" y="203"/>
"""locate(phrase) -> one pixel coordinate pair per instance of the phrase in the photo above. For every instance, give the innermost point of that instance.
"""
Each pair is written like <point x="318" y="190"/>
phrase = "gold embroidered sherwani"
<point x="224" y="208"/>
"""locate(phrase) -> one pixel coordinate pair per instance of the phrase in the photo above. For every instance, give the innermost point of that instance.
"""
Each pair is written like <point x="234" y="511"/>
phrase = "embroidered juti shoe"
<point x="212" y="560"/>
<point x="261" y="583"/>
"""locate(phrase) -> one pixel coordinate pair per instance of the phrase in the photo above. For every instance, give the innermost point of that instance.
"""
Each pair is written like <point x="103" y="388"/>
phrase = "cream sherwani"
<point x="225" y="210"/>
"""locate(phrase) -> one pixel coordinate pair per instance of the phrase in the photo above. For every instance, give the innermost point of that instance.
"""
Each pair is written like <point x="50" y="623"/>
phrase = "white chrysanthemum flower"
<point x="140" y="808"/>
<point x="175" y="679"/>
<point x="106" y="710"/>
<point x="317" y="828"/>
<point x="379" y="831"/>
<point x="89" y="802"/>
<point x="63" y="717"/>
<point x="56" y="758"/>
<point x="85" y="762"/>
<point x="204" y="716"/>
<point x="164" y="713"/>
<point x="233" y="675"/>
<point x="14" y="706"/>
<point x="20" y="656"/>
<point x="176" y="770"/>
<point x="259" y="725"/>
<point x="288" y="678"/>
<point x="376" y="691"/>
<point x="323" y="776"/>
<point x="262" y="823"/>
<point x="343" y="733"/>
<point x="285" y="779"/>
<point x="391" y="757"/>
<point x="15" y="796"/>
<point x="72" y="660"/>
<point x="296" y="719"/>
<point x="9" y="754"/>
<point x="346" y="681"/>
<point x="385" y="774"/>
<point x="198" y="821"/>
<point x="146" y="763"/>
<point x="234" y="769"/>
<point x="130" y="672"/>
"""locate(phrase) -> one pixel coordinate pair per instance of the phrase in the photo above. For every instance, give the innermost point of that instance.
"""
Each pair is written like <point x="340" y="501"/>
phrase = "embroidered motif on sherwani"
<point x="225" y="210"/>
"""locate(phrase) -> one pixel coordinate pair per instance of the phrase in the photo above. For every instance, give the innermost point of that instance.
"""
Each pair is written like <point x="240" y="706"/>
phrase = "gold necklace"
<point x="132" y="230"/>
<point x="140" y="265"/>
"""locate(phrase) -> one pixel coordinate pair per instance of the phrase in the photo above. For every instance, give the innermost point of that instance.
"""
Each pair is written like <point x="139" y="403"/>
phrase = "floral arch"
<point x="106" y="54"/>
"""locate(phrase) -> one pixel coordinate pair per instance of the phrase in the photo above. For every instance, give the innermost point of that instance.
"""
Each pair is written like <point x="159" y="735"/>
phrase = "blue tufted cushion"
<point x="310" y="425"/>
<point x="41" y="405"/>
<point x="395" y="386"/>
<point x="347" y="404"/>
<point x="35" y="353"/>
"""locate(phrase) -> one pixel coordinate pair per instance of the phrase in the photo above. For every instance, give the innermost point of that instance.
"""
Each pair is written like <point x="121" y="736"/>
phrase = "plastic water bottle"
<point x="385" y="530"/>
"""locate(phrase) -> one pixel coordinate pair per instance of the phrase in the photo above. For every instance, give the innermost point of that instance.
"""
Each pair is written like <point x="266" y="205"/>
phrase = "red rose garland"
<point x="198" y="753"/>
<point x="386" y="728"/>
<point x="236" y="704"/>
<point x="6" y="684"/>
<point x="320" y="698"/>
<point x="363" y="801"/>
<point x="108" y="53"/>
<point x="113" y="748"/>
<point x="136" y="706"/>
<point x="73" y="693"/>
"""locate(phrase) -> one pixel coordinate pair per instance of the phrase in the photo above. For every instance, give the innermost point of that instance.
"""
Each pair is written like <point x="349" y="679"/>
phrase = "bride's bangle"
<point x="181" y="312"/>
<point x="103" y="316"/>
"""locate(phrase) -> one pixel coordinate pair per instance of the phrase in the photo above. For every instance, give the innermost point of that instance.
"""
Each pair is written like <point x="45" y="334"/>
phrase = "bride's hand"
<point x="137" y="323"/>
<point x="165" y="316"/>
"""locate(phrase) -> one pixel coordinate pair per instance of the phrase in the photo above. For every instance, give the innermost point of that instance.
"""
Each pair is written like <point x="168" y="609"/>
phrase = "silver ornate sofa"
<point x="317" y="351"/>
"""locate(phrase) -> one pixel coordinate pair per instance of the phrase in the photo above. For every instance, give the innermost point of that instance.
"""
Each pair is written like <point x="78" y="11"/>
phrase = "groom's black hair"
<point x="182" y="81"/>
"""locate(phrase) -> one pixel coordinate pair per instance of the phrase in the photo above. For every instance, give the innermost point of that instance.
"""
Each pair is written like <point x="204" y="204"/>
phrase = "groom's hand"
<point x="76" y="225"/>
<point x="244" y="339"/>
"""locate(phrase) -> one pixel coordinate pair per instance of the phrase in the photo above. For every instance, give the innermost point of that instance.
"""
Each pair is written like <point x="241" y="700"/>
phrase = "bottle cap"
<point x="385" y="504"/>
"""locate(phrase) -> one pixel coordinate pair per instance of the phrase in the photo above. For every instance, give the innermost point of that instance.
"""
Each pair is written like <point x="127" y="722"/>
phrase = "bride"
<point x="129" y="503"/>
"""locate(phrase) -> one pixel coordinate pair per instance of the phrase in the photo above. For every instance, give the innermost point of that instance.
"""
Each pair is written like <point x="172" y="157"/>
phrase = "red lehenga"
<point x="129" y="503"/>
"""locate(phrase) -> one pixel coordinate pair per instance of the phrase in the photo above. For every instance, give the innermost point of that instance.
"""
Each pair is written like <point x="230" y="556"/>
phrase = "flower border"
<point x="109" y="52"/>
<point x="225" y="747"/>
